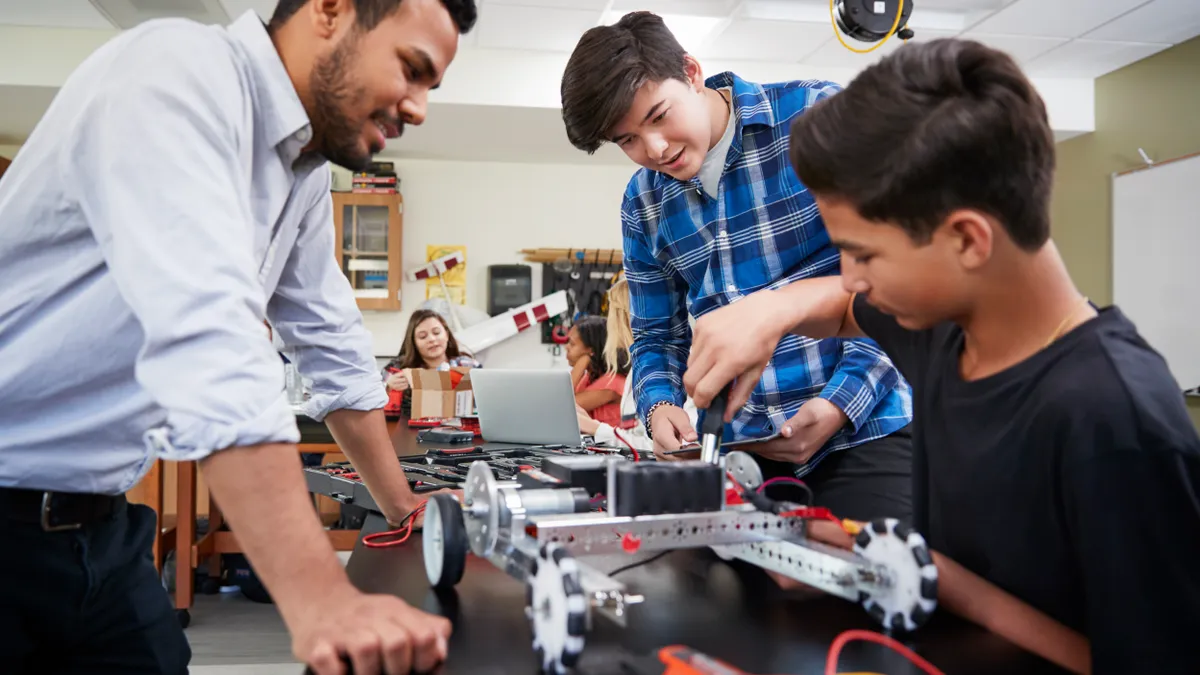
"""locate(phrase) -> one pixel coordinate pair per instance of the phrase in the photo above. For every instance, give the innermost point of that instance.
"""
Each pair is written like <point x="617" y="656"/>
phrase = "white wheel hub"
<point x="433" y="542"/>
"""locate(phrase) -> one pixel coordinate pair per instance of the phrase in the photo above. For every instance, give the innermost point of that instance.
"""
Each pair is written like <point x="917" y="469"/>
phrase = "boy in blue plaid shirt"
<point x="717" y="214"/>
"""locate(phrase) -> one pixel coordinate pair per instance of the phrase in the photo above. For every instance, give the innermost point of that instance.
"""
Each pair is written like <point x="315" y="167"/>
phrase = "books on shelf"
<point x="380" y="179"/>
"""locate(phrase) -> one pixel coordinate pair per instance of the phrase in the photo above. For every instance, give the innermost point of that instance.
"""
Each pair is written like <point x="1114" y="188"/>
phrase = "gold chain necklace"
<point x="1053" y="336"/>
<point x="1057" y="331"/>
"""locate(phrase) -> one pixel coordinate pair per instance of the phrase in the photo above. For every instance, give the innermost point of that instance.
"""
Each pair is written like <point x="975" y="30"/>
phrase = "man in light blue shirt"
<point x="175" y="196"/>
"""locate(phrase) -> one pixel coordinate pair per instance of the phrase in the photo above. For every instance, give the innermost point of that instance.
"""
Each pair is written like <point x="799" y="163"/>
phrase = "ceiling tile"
<point x="52" y="13"/>
<point x="718" y="8"/>
<point x="1057" y="18"/>
<point x="962" y="5"/>
<point x="594" y="5"/>
<point x="539" y="28"/>
<point x="1090" y="58"/>
<point x="236" y="8"/>
<point x="1160" y="21"/>
<point x="833" y="54"/>
<point x="758" y="40"/>
<point x="1023" y="48"/>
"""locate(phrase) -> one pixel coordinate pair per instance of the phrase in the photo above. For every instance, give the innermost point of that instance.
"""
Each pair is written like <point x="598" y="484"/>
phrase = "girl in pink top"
<point x="598" y="388"/>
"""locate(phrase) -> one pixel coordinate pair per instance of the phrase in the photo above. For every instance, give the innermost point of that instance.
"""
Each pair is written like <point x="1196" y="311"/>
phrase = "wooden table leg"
<point x="185" y="536"/>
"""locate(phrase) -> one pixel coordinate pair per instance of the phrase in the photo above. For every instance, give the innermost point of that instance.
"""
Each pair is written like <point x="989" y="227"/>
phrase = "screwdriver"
<point x="713" y="426"/>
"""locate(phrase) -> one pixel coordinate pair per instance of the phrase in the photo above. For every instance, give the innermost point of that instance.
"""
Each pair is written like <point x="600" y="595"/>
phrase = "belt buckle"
<point x="46" y="526"/>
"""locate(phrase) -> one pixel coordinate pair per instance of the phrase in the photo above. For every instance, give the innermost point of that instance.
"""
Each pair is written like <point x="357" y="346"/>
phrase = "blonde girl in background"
<point x="616" y="350"/>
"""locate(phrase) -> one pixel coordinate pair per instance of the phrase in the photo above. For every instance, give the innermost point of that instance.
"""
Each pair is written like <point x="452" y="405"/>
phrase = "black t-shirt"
<point x="1071" y="480"/>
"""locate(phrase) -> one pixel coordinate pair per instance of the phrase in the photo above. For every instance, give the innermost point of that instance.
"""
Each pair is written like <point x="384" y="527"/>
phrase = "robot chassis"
<point x="536" y="534"/>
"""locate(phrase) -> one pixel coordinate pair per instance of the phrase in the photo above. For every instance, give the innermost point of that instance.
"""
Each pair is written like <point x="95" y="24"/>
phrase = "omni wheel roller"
<point x="557" y="609"/>
<point x="444" y="541"/>
<point x="909" y="597"/>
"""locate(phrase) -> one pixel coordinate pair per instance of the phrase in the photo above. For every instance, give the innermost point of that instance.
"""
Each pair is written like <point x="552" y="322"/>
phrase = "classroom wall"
<point x="496" y="209"/>
<point x="1152" y="105"/>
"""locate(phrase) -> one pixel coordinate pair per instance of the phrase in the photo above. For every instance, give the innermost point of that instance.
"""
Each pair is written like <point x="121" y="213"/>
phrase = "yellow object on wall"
<point x="455" y="277"/>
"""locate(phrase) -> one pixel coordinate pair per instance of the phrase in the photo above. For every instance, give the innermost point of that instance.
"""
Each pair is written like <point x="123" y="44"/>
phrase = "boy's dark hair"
<point x="593" y="333"/>
<point x="368" y="13"/>
<point x="607" y="68"/>
<point x="931" y="128"/>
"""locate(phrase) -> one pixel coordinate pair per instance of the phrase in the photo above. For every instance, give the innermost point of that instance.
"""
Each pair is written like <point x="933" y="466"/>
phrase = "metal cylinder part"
<point x="546" y="501"/>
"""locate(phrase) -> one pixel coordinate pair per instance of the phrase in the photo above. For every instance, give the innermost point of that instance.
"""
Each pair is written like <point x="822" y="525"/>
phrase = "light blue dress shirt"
<point x="161" y="211"/>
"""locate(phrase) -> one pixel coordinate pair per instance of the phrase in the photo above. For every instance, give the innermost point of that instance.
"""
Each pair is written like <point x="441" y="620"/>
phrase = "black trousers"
<point x="868" y="481"/>
<point x="87" y="601"/>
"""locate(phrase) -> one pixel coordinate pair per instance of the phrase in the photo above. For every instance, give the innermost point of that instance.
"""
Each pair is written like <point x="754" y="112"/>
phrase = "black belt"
<point x="57" y="511"/>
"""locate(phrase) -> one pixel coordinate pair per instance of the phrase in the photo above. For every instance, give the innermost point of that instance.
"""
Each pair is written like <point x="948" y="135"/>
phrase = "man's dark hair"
<point x="607" y="68"/>
<point x="368" y="13"/>
<point x="931" y="128"/>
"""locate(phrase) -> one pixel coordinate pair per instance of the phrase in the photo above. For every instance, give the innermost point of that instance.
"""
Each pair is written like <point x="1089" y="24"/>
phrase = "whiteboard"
<point x="1156" y="253"/>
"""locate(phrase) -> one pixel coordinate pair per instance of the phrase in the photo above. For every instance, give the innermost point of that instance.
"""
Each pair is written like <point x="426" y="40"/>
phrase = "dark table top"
<point x="729" y="610"/>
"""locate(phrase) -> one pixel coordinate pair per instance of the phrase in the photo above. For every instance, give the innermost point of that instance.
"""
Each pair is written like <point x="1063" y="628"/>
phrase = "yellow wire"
<point x="838" y="34"/>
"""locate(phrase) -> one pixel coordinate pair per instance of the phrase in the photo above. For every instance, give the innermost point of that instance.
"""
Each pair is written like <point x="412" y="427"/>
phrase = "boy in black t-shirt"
<point x="1053" y="454"/>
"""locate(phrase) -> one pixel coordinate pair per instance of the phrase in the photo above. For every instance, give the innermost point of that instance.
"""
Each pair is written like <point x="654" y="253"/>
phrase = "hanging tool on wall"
<point x="555" y="331"/>
<point x="597" y="297"/>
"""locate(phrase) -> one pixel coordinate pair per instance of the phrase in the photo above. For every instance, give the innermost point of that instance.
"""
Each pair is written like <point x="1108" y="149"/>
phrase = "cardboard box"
<point x="433" y="395"/>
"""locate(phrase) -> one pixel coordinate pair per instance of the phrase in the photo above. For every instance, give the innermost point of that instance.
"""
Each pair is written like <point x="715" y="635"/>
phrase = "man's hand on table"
<point x="379" y="633"/>
<point x="395" y="516"/>
<point x="262" y="495"/>
<point x="812" y="426"/>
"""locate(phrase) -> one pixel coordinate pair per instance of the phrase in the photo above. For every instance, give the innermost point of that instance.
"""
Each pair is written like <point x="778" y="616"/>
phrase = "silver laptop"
<point x="531" y="407"/>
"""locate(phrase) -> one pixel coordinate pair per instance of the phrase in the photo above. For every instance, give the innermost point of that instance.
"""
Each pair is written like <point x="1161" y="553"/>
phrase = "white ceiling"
<point x="1050" y="38"/>
<point x="1074" y="38"/>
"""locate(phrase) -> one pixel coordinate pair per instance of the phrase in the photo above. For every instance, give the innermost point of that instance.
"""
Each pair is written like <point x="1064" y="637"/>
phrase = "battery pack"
<point x="652" y="488"/>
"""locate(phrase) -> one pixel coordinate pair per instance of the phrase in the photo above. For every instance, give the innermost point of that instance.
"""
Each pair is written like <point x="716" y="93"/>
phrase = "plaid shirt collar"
<point x="752" y="108"/>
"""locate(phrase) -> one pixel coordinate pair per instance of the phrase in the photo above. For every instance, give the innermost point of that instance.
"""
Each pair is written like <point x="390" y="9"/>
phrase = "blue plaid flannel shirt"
<point x="688" y="253"/>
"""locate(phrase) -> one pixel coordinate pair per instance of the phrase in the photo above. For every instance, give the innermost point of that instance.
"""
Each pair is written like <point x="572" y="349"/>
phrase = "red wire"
<point x="781" y="479"/>
<point x="636" y="457"/>
<point x="372" y="540"/>
<point x="831" y="662"/>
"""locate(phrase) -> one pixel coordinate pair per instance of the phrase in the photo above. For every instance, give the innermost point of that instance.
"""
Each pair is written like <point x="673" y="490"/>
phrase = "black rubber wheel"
<point x="444" y="541"/>
<point x="184" y="617"/>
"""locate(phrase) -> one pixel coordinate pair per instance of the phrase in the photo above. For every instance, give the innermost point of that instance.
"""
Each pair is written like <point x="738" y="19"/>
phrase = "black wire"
<point x="639" y="563"/>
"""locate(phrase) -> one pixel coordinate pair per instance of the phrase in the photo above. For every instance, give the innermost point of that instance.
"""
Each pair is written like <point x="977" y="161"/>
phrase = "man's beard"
<point x="337" y="135"/>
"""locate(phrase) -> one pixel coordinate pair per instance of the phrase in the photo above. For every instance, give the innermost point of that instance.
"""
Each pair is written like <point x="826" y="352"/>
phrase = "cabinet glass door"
<point x="365" y="249"/>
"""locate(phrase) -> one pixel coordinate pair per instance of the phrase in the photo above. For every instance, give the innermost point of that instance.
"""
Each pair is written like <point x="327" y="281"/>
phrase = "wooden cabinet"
<point x="4" y="165"/>
<point x="368" y="231"/>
